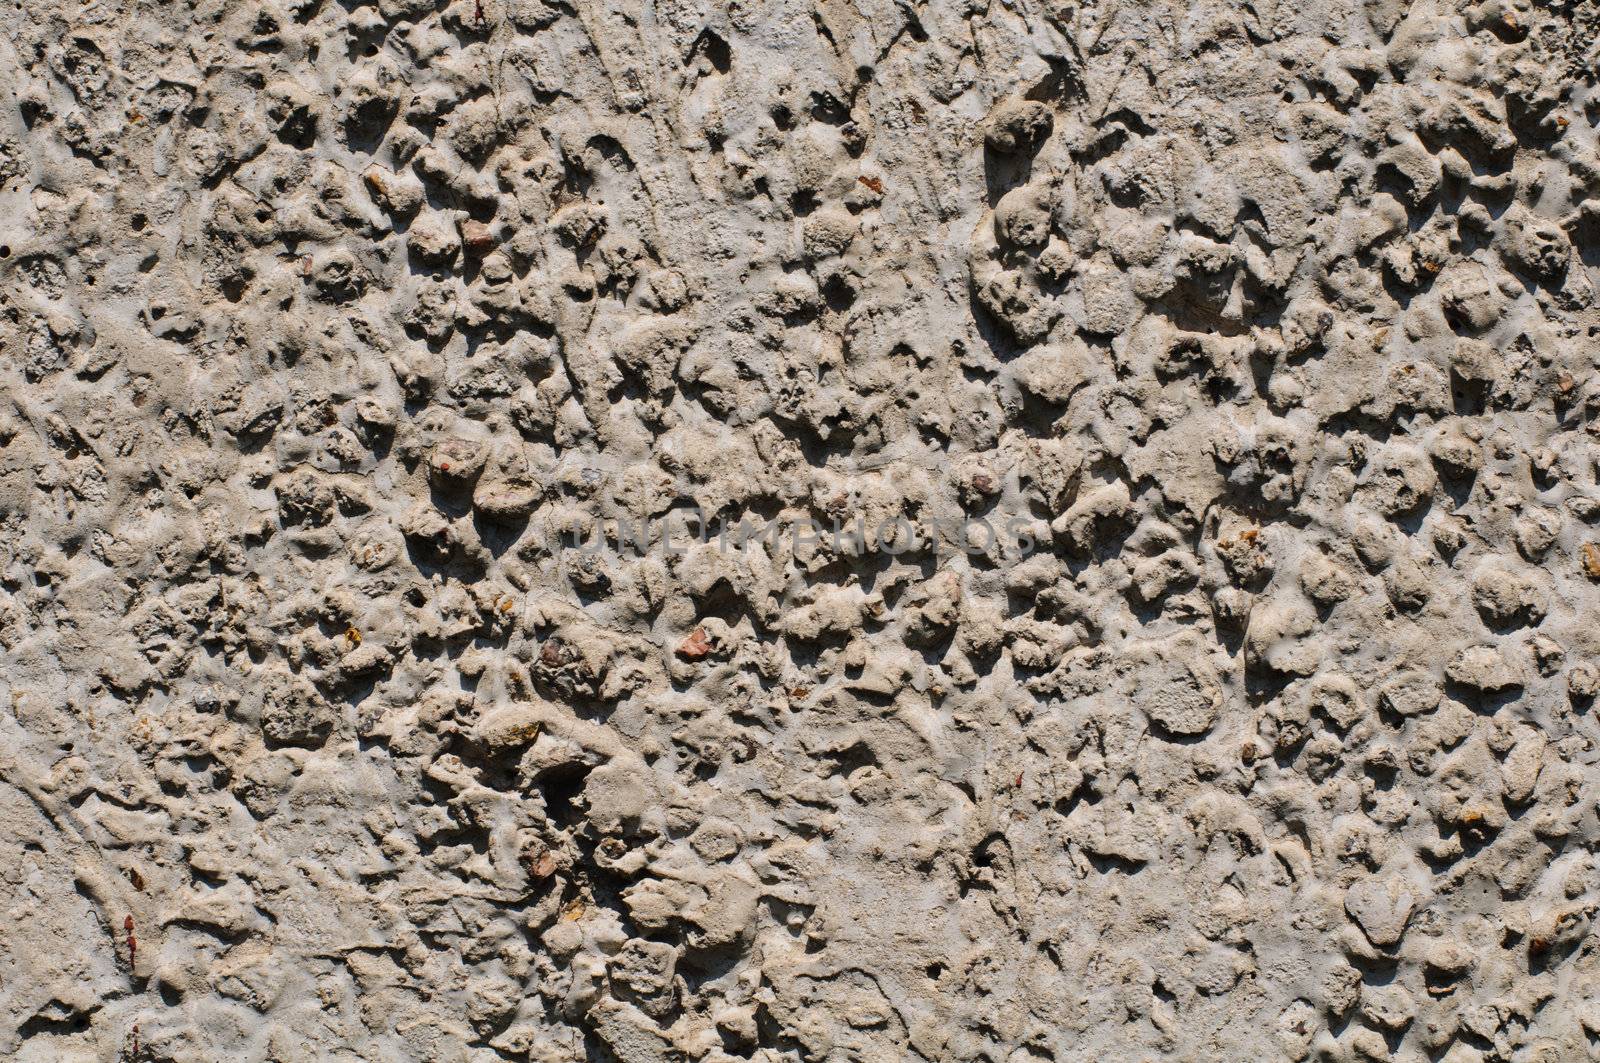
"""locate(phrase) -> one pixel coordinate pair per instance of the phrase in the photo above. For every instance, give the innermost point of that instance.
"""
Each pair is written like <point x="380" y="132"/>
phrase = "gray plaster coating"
<point x="1272" y="324"/>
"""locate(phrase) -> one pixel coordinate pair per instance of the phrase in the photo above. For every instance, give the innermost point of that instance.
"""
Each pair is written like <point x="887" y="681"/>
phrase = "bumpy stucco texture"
<point x="1254" y="722"/>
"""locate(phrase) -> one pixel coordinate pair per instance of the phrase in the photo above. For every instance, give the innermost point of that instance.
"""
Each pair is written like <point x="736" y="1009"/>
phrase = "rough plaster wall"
<point x="1272" y="324"/>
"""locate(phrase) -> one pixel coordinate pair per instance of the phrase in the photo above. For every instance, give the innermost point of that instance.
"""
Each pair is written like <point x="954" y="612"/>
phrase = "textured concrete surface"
<point x="1255" y="724"/>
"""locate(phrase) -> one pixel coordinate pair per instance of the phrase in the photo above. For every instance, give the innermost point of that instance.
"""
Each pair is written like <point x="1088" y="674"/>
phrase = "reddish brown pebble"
<point x="695" y="646"/>
<point x="476" y="237"/>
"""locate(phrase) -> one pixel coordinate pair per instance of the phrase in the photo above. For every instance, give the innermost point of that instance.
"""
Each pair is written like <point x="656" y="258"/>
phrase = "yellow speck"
<point x="353" y="636"/>
<point x="1591" y="561"/>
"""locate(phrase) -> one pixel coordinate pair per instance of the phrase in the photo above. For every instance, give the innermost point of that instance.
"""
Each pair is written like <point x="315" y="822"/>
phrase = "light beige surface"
<point x="1272" y="323"/>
